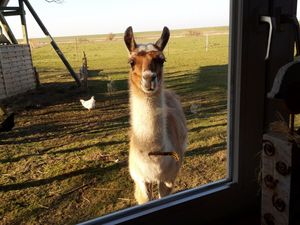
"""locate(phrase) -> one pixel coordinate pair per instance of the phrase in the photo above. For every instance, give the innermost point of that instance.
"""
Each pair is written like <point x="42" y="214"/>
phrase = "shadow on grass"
<point x="86" y="183"/>
<point x="48" y="131"/>
<point x="206" y="150"/>
<point x="49" y="94"/>
<point x="107" y="74"/>
<point x="207" y="78"/>
<point x="64" y="99"/>
<point x="198" y="128"/>
<point x="96" y="170"/>
<point x="95" y="73"/>
<point x="64" y="151"/>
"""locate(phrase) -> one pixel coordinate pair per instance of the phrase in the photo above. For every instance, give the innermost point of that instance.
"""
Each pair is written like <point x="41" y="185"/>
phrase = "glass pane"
<point x="62" y="163"/>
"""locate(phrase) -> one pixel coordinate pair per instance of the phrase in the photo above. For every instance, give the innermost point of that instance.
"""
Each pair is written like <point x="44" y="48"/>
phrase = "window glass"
<point x="62" y="163"/>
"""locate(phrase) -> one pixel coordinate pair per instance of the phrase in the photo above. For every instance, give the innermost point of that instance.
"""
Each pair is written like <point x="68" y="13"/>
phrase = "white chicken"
<point x="89" y="104"/>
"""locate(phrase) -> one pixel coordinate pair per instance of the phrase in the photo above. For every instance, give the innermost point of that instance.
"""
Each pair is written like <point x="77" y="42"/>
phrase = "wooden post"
<point x="7" y="29"/>
<point x="84" y="72"/>
<point x="53" y="43"/>
<point x="23" y="21"/>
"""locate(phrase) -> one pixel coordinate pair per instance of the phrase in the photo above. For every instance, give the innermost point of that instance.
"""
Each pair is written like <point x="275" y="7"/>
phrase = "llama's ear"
<point x="129" y="39"/>
<point x="162" y="42"/>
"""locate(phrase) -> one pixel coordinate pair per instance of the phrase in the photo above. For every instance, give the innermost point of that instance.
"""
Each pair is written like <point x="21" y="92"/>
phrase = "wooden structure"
<point x="10" y="39"/>
<point x="16" y="70"/>
<point x="83" y="72"/>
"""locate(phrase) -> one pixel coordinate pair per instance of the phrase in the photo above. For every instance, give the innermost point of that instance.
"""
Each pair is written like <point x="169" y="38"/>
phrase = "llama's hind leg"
<point x="143" y="192"/>
<point x="164" y="188"/>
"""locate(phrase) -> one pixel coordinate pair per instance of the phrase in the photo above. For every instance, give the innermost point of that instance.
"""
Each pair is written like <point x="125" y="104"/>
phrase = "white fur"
<point x="148" y="124"/>
<point x="147" y="48"/>
<point x="142" y="117"/>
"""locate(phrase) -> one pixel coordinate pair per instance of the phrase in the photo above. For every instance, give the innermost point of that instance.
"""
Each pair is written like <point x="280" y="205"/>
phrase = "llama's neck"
<point x="148" y="118"/>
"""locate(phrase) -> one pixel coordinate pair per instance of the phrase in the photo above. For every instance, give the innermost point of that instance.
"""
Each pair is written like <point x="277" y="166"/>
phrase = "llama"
<point x="157" y="120"/>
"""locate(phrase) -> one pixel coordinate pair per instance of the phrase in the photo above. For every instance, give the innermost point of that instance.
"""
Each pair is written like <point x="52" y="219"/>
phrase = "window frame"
<point x="239" y="191"/>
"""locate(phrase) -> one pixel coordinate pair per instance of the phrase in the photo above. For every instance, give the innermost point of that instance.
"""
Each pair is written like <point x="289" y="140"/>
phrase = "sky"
<point x="85" y="17"/>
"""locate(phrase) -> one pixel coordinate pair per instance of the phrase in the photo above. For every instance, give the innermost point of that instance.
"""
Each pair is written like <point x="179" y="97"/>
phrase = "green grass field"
<point x="62" y="164"/>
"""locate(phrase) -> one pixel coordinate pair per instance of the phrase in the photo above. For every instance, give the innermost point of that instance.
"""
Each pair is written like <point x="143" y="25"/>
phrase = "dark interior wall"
<point x="281" y="52"/>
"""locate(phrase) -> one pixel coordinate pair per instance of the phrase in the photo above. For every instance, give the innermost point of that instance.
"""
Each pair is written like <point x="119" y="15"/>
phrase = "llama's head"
<point x="146" y="61"/>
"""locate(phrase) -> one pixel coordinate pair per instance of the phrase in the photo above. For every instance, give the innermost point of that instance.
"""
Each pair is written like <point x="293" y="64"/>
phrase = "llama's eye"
<point x="160" y="60"/>
<point x="131" y="62"/>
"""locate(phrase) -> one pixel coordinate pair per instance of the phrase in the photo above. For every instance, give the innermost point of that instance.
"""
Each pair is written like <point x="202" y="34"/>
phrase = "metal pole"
<point x="53" y="43"/>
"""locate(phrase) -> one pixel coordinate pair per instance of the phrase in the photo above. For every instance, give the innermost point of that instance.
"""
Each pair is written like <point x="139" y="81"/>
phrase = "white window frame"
<point x="239" y="190"/>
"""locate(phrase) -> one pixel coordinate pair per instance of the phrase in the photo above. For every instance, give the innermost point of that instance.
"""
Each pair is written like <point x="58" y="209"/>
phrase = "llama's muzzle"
<point x="149" y="81"/>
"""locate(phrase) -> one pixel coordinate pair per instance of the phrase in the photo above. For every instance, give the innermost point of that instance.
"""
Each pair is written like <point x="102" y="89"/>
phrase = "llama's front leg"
<point x="143" y="192"/>
<point x="164" y="188"/>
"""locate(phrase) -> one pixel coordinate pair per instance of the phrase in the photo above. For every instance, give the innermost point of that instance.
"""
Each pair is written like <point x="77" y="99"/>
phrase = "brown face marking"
<point x="142" y="61"/>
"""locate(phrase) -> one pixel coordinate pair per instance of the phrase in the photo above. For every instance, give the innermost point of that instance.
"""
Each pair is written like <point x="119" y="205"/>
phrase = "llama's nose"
<point x="149" y="76"/>
<point x="149" y="80"/>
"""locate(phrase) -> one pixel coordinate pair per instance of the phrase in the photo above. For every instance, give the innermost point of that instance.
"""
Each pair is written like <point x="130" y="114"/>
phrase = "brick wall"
<point x="16" y="70"/>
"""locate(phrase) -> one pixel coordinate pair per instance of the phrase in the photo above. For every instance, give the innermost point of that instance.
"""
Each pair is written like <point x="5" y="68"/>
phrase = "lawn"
<point x="62" y="164"/>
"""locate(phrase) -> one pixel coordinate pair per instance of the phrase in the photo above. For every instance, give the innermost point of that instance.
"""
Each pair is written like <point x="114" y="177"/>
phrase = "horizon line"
<point x="120" y="33"/>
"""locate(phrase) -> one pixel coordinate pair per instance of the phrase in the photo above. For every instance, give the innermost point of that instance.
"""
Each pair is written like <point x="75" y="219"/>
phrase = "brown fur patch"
<point x="143" y="61"/>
